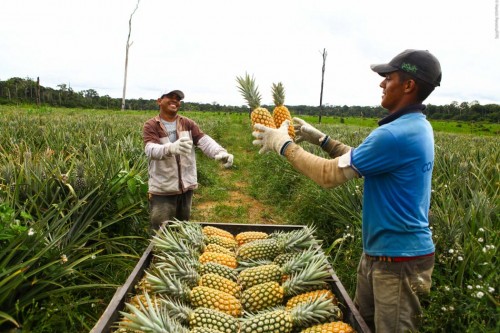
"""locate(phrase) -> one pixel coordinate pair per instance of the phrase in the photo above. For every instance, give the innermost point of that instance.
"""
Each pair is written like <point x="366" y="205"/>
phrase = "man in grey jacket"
<point x="169" y="139"/>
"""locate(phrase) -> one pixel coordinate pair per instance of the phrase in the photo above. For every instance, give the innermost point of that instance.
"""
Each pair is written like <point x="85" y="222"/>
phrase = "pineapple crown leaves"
<point x="314" y="311"/>
<point x="178" y="310"/>
<point x="166" y="283"/>
<point x="249" y="90"/>
<point x="302" y="259"/>
<point x="278" y="92"/>
<point x="179" y="267"/>
<point x="249" y="263"/>
<point x="296" y="240"/>
<point x="314" y="275"/>
<point x="167" y="241"/>
<point x="154" y="318"/>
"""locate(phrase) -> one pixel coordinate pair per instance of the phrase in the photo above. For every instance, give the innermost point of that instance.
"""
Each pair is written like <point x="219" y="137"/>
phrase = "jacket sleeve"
<point x="325" y="172"/>
<point x="209" y="146"/>
<point x="155" y="147"/>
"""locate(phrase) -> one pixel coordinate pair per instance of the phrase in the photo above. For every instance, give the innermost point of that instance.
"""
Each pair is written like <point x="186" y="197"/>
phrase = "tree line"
<point x="28" y="91"/>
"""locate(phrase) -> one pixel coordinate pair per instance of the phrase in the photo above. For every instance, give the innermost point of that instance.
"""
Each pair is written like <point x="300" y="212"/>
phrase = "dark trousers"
<point x="164" y="208"/>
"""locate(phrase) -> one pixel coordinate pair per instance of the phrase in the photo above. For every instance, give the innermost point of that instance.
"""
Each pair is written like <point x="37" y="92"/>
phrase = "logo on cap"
<point x="409" y="68"/>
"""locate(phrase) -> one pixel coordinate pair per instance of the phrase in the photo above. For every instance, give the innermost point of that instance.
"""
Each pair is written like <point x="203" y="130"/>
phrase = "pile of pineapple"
<point x="207" y="280"/>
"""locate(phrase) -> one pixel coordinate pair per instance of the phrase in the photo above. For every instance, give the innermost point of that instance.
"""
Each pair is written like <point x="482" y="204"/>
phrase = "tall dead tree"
<point x="129" y="44"/>
<point x="322" y="80"/>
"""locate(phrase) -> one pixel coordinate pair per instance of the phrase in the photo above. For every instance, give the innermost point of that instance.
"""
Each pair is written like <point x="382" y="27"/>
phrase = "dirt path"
<point x="240" y="207"/>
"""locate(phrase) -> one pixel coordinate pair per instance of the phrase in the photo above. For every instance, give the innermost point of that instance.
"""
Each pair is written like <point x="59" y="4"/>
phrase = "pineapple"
<point x="250" y="93"/>
<point x="198" y="296"/>
<point x="269" y="294"/>
<point x="219" y="258"/>
<point x="179" y="266"/>
<point x="305" y="297"/>
<point x="202" y="318"/>
<point x="249" y="236"/>
<point x="285" y="321"/>
<point x="211" y="231"/>
<point x="331" y="327"/>
<point x="280" y="112"/>
<point x="218" y="248"/>
<point x="252" y="276"/>
<point x="218" y="282"/>
<point x="80" y="182"/>
<point x="278" y="243"/>
<point x="153" y="318"/>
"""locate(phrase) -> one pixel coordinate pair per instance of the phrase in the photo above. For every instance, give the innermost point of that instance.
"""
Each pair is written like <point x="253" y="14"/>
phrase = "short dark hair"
<point x="424" y="89"/>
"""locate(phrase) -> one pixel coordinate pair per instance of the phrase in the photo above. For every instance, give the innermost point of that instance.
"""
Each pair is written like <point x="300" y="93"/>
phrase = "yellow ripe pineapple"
<point x="248" y="236"/>
<point x="280" y="112"/>
<point x="219" y="258"/>
<point x="218" y="248"/>
<point x="218" y="282"/>
<point x="199" y="296"/>
<point x="332" y="327"/>
<point x="311" y="295"/>
<point x="215" y="231"/>
<point x="250" y="93"/>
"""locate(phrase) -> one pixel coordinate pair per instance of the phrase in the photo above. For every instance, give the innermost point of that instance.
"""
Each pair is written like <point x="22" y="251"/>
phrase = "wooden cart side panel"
<point x="112" y="313"/>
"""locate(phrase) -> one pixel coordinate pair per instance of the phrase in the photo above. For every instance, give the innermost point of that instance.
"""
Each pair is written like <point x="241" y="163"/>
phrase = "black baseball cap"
<point x="177" y="92"/>
<point x="418" y="63"/>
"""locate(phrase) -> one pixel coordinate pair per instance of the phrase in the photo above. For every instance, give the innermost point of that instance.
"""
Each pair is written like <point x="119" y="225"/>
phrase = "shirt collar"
<point x="414" y="108"/>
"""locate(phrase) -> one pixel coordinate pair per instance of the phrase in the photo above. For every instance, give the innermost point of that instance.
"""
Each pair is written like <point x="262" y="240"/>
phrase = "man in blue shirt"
<point x="396" y="162"/>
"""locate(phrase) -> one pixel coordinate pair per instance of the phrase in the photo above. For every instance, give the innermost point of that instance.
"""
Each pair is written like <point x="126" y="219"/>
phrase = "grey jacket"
<point x="174" y="174"/>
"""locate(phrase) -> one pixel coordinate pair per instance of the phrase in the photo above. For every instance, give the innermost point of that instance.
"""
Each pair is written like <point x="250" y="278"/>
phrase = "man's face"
<point x="169" y="103"/>
<point x="393" y="92"/>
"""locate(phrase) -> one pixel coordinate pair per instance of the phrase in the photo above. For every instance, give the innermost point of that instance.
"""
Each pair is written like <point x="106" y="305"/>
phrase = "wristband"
<point x="283" y="148"/>
<point x="325" y="141"/>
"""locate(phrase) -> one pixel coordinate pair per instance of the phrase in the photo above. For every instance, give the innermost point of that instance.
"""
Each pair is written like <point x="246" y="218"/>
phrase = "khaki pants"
<point x="169" y="207"/>
<point x="387" y="293"/>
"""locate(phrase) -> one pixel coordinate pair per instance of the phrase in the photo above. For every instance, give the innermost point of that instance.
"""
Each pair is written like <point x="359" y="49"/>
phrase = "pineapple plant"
<point x="285" y="321"/>
<point x="250" y="93"/>
<point x="331" y="327"/>
<point x="269" y="294"/>
<point x="281" y="112"/>
<point x="80" y="182"/>
<point x="202" y="318"/>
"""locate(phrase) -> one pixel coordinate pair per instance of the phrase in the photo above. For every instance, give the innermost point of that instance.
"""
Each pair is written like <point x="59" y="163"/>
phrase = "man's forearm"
<point x="323" y="172"/>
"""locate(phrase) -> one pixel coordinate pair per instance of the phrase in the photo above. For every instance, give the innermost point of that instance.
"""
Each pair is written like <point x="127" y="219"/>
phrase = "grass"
<point x="101" y="229"/>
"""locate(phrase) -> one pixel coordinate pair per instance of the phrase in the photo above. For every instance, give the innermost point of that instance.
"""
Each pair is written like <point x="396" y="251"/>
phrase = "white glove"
<point x="182" y="146"/>
<point x="225" y="158"/>
<point x="304" y="131"/>
<point x="271" y="139"/>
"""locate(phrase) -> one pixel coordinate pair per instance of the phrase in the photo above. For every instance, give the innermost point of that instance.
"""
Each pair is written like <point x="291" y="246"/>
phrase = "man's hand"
<point x="225" y="158"/>
<point x="270" y="138"/>
<point x="306" y="132"/>
<point x="182" y="146"/>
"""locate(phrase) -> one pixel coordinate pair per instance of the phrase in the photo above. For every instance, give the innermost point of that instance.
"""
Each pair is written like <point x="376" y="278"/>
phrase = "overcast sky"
<point x="200" y="46"/>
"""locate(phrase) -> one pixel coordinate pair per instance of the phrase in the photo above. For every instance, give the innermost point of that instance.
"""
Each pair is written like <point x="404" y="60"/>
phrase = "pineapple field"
<point x="74" y="219"/>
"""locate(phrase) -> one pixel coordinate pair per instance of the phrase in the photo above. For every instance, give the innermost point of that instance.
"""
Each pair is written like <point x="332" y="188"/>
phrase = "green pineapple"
<point x="278" y="243"/>
<point x="202" y="317"/>
<point x="285" y="321"/>
<point x="80" y="182"/>
<point x="269" y="294"/>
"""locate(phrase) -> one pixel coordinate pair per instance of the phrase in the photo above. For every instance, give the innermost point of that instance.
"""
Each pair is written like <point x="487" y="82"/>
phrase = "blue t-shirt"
<point x="396" y="160"/>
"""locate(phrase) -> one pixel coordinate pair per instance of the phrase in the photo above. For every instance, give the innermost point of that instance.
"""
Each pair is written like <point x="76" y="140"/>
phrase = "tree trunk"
<point x="126" y="55"/>
<point x="38" y="91"/>
<point x="322" y="80"/>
